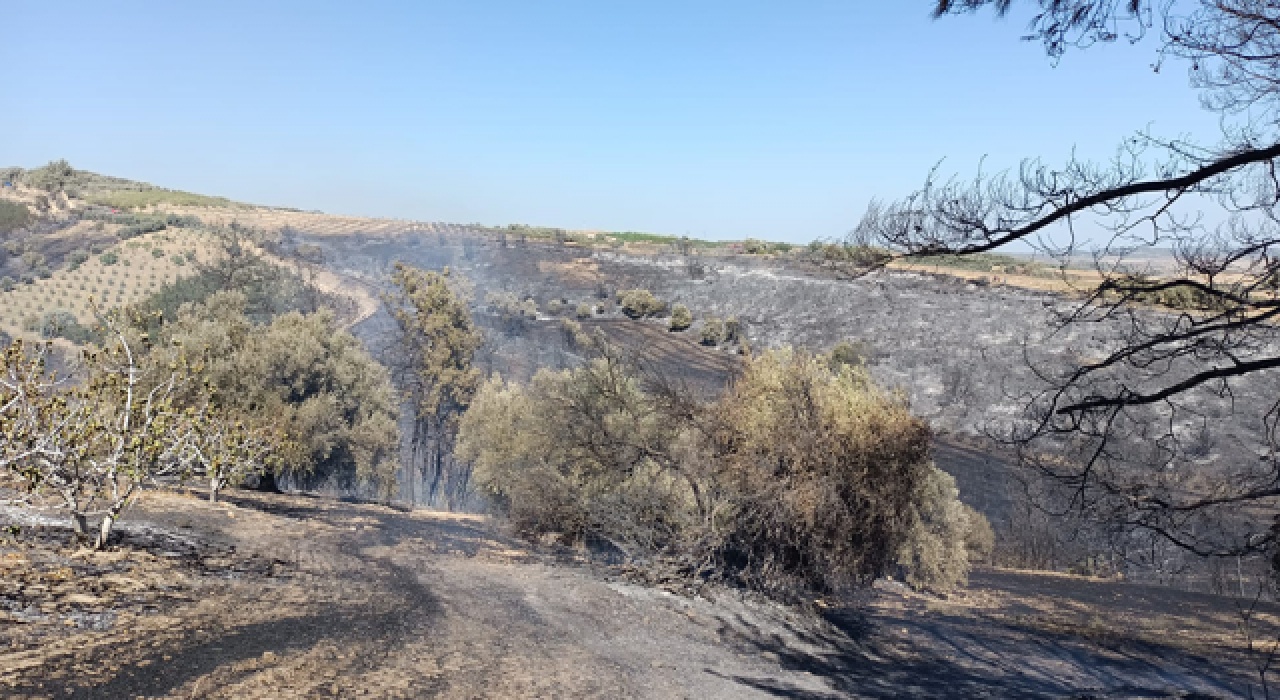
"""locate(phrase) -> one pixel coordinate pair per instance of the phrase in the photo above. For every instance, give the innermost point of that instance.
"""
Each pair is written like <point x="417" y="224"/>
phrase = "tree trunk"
<point x="80" y="525"/>
<point x="104" y="530"/>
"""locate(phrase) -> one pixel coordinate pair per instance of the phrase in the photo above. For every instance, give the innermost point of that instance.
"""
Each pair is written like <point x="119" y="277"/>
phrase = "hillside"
<point x="305" y="595"/>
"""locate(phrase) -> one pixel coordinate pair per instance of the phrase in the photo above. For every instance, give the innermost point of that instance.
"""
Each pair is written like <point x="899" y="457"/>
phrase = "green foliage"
<point x="54" y="177"/>
<point x="437" y="344"/>
<point x="637" y="237"/>
<point x="78" y="256"/>
<point x="109" y="258"/>
<point x="178" y="260"/>
<point x="13" y="215"/>
<point x="269" y="289"/>
<point x="63" y="324"/>
<point x="753" y="246"/>
<point x="681" y="318"/>
<point x="987" y="262"/>
<point x="7" y="284"/>
<point x="640" y="303"/>
<point x="1172" y="295"/>
<point x="129" y="199"/>
<point x="304" y="375"/>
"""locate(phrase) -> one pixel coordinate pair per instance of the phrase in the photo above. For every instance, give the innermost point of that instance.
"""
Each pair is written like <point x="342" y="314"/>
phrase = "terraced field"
<point x="124" y="274"/>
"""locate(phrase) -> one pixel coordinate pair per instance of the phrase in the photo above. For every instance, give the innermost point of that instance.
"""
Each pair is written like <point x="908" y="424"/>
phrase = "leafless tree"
<point x="1123" y="433"/>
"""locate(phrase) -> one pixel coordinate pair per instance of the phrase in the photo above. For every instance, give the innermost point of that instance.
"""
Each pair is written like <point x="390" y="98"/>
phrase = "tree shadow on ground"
<point x="379" y="627"/>
<point x="866" y="655"/>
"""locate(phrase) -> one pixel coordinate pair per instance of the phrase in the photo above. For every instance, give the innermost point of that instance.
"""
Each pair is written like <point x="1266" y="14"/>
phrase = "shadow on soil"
<point x="946" y="656"/>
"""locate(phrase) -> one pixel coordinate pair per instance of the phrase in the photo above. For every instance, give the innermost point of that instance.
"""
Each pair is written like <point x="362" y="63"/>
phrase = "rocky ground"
<point x="297" y="596"/>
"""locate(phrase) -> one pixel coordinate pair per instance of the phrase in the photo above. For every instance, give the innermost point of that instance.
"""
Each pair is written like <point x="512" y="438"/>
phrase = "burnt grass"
<point x="384" y="603"/>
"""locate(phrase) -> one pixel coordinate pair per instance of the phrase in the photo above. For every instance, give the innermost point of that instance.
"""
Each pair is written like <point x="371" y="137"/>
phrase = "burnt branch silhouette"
<point x="1121" y="433"/>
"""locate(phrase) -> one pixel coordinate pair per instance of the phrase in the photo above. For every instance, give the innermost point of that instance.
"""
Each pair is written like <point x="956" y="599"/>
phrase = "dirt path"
<point x="370" y="601"/>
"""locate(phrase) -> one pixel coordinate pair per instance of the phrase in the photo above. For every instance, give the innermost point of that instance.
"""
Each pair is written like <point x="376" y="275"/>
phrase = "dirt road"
<point x="352" y="600"/>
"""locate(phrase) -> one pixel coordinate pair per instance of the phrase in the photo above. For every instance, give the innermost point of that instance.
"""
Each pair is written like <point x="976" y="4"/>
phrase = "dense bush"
<point x="681" y="319"/>
<point x="800" y="478"/>
<point x="78" y="256"/>
<point x="640" y="303"/>
<point x="304" y="374"/>
<point x="109" y="258"/>
<point x="6" y="284"/>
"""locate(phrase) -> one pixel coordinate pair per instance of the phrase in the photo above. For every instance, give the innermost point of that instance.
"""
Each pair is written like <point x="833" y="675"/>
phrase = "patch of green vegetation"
<point x="986" y="262"/>
<point x="639" y="237"/>
<point x="13" y="215"/>
<point x="128" y="199"/>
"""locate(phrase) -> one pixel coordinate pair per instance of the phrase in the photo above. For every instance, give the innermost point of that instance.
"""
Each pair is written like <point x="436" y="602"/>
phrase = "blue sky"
<point x="717" y="119"/>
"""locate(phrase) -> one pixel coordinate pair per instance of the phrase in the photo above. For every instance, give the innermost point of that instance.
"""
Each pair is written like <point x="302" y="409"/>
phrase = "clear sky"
<point x="717" y="119"/>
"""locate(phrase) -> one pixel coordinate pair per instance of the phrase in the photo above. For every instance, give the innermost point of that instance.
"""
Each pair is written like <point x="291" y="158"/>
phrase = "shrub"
<point x="732" y="329"/>
<point x="640" y="303"/>
<point x="32" y="259"/>
<point x="62" y="324"/>
<point x="13" y="215"/>
<point x="13" y="247"/>
<point x="681" y="319"/>
<point x="856" y="353"/>
<point x="573" y="334"/>
<point x="934" y="555"/>
<point x="712" y="332"/>
<point x="584" y="310"/>
<point x="752" y="246"/>
<point x="6" y="284"/>
<point x="178" y="260"/>
<point x="980" y="539"/>
<point x="514" y="313"/>
<point x="79" y="256"/>
<point x="109" y="258"/>
<point x="43" y="272"/>
<point x="798" y="479"/>
<point x="157" y="253"/>
<point x="555" y="306"/>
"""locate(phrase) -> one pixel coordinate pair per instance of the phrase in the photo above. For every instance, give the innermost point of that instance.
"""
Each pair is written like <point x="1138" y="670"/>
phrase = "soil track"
<point x="371" y="601"/>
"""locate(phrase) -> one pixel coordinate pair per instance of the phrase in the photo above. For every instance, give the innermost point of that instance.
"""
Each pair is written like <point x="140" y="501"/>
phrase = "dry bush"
<point x="640" y="303"/>
<point x="935" y="555"/>
<point x="799" y="478"/>
<point x="712" y="332"/>
<point x="826" y="471"/>
<point x="681" y="318"/>
<point x="585" y="310"/>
